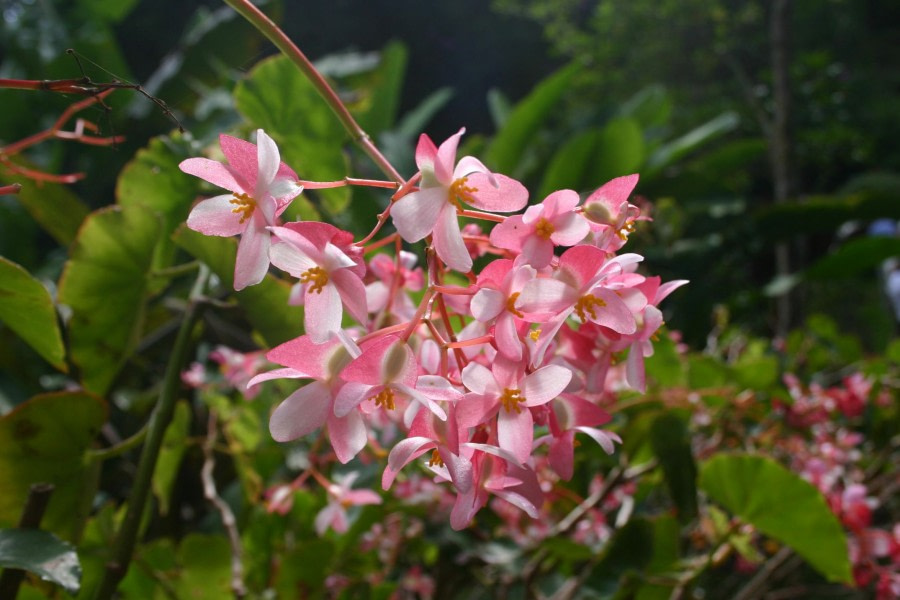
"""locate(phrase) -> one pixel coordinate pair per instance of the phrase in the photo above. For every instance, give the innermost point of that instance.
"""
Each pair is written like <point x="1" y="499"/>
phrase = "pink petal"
<point x="252" y="262"/>
<point x="515" y="432"/>
<point x="448" y="242"/>
<point x="615" y="315"/>
<point x="507" y="337"/>
<point x="361" y="497"/>
<point x="614" y="192"/>
<point x="545" y="384"/>
<point x="560" y="202"/>
<point x="518" y="501"/>
<point x="416" y="214"/>
<point x="445" y="160"/>
<point x="214" y="172"/>
<point x="216" y="216"/>
<point x="581" y="264"/>
<point x="487" y="304"/>
<point x="286" y="373"/>
<point x="437" y="388"/>
<point x="426" y="152"/>
<point x="508" y="196"/>
<point x="347" y="434"/>
<point x="268" y="160"/>
<point x="322" y="313"/>
<point x="510" y="233"/>
<point x="562" y="455"/>
<point x="301" y="413"/>
<point x="667" y="288"/>
<point x="290" y="259"/>
<point x="604" y="438"/>
<point x="545" y="295"/>
<point x="351" y="395"/>
<point x="425" y="401"/>
<point x="634" y="368"/>
<point x="242" y="157"/>
<point x="401" y="455"/>
<point x="478" y="379"/>
<point x="352" y="292"/>
<point x="537" y="251"/>
<point x="570" y="229"/>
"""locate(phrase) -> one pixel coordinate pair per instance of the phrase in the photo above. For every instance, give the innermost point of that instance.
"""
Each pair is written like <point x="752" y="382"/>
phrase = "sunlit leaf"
<point x="529" y="114"/>
<point x="619" y="151"/>
<point x="692" y="140"/>
<point x="567" y="168"/>
<point x="383" y="90"/>
<point x="44" y="440"/>
<point x="43" y="554"/>
<point x="278" y="98"/>
<point x="27" y="309"/>
<point x="781" y="505"/>
<point x="105" y="283"/>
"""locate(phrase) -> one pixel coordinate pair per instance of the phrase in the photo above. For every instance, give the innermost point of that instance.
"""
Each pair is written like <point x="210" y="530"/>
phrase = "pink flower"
<point x="542" y="227"/>
<point x="432" y="209"/>
<point x="261" y="187"/>
<point x="332" y="278"/>
<point x="312" y="406"/>
<point x="506" y="391"/>
<point x="612" y="216"/>
<point x="570" y="415"/>
<point x="340" y="497"/>
<point x="409" y="279"/>
<point x="495" y="303"/>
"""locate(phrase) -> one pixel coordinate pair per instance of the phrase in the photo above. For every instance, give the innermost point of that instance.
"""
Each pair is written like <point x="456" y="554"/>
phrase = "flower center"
<point x="436" y="459"/>
<point x="534" y="335"/>
<point x="384" y="398"/>
<point x="244" y="205"/>
<point x="511" y="305"/>
<point x="544" y="229"/>
<point x="627" y="228"/>
<point x="460" y="192"/>
<point x="586" y="304"/>
<point x="511" y="399"/>
<point x="317" y="276"/>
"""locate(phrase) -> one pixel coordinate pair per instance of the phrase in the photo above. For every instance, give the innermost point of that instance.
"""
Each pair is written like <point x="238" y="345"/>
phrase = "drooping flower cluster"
<point x="502" y="334"/>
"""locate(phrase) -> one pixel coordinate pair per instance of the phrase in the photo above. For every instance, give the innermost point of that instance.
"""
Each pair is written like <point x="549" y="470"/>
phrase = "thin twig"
<point x="225" y="512"/>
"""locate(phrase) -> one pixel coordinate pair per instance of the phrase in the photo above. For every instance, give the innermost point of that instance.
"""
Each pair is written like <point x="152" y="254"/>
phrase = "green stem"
<point x="120" y="448"/>
<point x="127" y="536"/>
<point x="275" y="35"/>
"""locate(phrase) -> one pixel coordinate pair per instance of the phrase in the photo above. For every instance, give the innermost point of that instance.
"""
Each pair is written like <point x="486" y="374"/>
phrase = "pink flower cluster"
<point x="459" y="364"/>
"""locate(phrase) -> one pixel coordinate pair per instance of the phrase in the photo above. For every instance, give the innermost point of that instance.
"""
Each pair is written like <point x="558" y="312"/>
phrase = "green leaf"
<point x="266" y="303"/>
<point x="276" y="97"/>
<point x="619" y="151"/>
<point x="105" y="283"/>
<point x="505" y="150"/>
<point x="651" y="107"/>
<point x="54" y="207"/>
<point x="44" y="440"/>
<point x="43" y="554"/>
<point x="672" y="151"/>
<point x="153" y="180"/>
<point x="671" y="443"/>
<point x="781" y="505"/>
<point x="384" y="89"/>
<point x="170" y="455"/>
<point x="568" y="166"/>
<point x="856" y="257"/>
<point x="205" y="568"/>
<point x="27" y="309"/>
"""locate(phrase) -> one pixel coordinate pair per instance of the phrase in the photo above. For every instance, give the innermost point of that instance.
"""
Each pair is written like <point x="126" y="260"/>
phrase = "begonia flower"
<point x="340" y="497"/>
<point x="543" y="227"/>
<point x="431" y="210"/>
<point x="261" y="188"/>
<point x="331" y="277"/>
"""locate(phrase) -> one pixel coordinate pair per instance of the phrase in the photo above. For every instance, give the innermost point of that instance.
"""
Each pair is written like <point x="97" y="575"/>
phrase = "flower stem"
<point x="127" y="535"/>
<point x="275" y="35"/>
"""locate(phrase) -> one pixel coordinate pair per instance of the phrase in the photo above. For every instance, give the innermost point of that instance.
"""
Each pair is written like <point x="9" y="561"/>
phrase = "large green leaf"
<point x="105" y="283"/>
<point x="567" y="168"/>
<point x="44" y="440"/>
<point x="506" y="149"/>
<point x="43" y="554"/>
<point x="27" y="309"/>
<point x="856" y="257"/>
<point x="53" y="206"/>
<point x="692" y="140"/>
<point x="781" y="505"/>
<point x="619" y="151"/>
<point x="382" y="94"/>
<point x="266" y="303"/>
<point x="276" y="97"/>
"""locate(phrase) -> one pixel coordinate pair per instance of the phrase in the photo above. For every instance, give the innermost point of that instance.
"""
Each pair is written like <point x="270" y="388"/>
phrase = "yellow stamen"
<point x="317" y="276"/>
<point x="384" y="398"/>
<point x="586" y="304"/>
<point x="460" y="192"/>
<point x="511" y="399"/>
<point x="244" y="206"/>
<point x="544" y="229"/>
<point x="534" y="335"/>
<point x="511" y="305"/>
<point x="435" y="459"/>
<point x="627" y="228"/>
